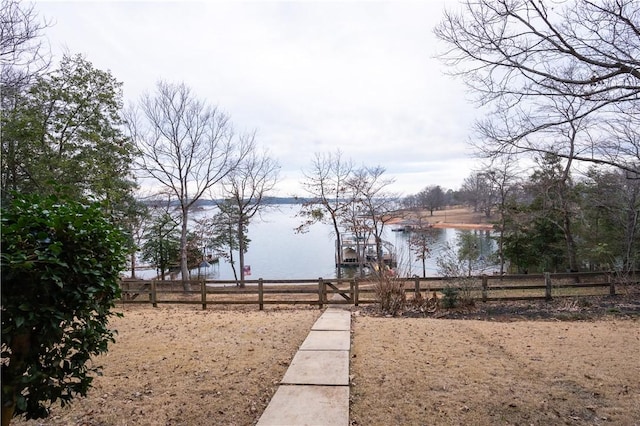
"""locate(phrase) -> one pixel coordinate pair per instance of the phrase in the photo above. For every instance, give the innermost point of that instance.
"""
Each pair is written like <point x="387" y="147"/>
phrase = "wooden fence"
<point x="322" y="292"/>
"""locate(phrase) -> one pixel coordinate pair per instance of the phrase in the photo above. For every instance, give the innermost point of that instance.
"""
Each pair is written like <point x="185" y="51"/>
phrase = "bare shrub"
<point x="390" y="293"/>
<point x="426" y="305"/>
<point x="625" y="282"/>
<point x="460" y="285"/>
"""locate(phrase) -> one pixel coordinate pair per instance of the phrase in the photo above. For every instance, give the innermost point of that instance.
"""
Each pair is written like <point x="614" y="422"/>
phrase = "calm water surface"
<point x="276" y="251"/>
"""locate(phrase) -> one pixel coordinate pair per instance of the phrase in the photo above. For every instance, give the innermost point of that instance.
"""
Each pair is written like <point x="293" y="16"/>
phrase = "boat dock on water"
<point x="411" y="225"/>
<point x="358" y="251"/>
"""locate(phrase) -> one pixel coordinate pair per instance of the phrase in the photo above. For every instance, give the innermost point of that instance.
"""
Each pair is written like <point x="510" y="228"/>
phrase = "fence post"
<point x="485" y="287"/>
<point x="416" y="290"/>
<point x="203" y="292"/>
<point x="320" y="291"/>
<point x="356" y="292"/>
<point x="352" y="290"/>
<point x="547" y="282"/>
<point x="612" y="285"/>
<point x="153" y="295"/>
<point x="260" y="294"/>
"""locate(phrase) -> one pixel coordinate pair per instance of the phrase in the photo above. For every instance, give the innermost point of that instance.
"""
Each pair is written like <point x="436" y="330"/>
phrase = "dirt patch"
<point x="468" y="226"/>
<point x="455" y="217"/>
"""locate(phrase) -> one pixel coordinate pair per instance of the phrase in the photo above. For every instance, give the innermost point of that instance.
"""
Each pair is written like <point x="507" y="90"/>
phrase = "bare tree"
<point x="520" y="56"/>
<point x="245" y="188"/>
<point x="326" y="181"/>
<point x="186" y="147"/>
<point x="431" y="198"/>
<point x="479" y="192"/>
<point x="421" y="240"/>
<point x="371" y="206"/>
<point x="24" y="53"/>
<point x="503" y="178"/>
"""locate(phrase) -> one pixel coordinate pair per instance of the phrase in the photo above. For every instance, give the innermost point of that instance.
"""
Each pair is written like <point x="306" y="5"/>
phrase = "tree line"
<point x="561" y="84"/>
<point x="547" y="219"/>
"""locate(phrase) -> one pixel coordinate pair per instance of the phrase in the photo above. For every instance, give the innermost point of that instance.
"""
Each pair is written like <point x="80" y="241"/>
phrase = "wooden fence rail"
<point x="322" y="291"/>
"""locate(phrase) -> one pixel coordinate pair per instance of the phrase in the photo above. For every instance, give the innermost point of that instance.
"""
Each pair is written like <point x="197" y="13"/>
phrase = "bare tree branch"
<point x="526" y="58"/>
<point x="186" y="146"/>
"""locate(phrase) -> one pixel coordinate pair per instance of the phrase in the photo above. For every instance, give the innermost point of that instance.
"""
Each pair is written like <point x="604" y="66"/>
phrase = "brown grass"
<point x="410" y="371"/>
<point x="179" y="365"/>
<point x="184" y="366"/>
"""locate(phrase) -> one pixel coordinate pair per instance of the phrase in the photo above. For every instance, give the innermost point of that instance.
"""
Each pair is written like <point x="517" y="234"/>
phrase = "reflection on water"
<point x="437" y="241"/>
<point x="277" y="252"/>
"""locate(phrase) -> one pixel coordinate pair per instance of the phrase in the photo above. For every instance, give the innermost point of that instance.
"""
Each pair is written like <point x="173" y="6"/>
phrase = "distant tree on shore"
<point x="244" y="190"/>
<point x="326" y="183"/>
<point x="186" y="146"/>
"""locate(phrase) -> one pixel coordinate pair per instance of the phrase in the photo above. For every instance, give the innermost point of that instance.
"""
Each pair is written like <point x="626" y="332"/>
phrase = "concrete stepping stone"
<point x="308" y="405"/>
<point x="315" y="388"/>
<point x="339" y="340"/>
<point x="333" y="322"/>
<point x="336" y="311"/>
<point x="318" y="368"/>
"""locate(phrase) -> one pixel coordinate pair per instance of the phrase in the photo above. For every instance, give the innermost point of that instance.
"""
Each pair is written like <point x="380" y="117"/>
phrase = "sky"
<point x="308" y="76"/>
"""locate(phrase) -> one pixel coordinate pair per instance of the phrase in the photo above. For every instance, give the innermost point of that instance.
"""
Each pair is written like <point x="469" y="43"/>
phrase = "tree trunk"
<point x="184" y="266"/>
<point x="630" y="240"/>
<point x="232" y="262"/>
<point x="241" y="253"/>
<point x="571" y="244"/>
<point x="336" y="229"/>
<point x="379" y="255"/>
<point x="133" y="265"/>
<point x="7" y="413"/>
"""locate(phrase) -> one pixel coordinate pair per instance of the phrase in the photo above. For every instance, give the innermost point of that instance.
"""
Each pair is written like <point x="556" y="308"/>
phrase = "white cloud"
<point x="309" y="76"/>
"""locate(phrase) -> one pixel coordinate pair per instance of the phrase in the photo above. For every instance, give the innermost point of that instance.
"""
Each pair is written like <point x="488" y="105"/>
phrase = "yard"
<point x="179" y="365"/>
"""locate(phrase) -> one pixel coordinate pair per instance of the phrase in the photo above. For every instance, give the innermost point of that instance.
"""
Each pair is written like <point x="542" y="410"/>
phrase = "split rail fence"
<point x="322" y="292"/>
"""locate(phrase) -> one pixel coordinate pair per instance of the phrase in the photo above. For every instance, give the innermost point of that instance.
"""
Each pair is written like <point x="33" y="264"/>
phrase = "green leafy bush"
<point x="60" y="266"/>
<point x="450" y="297"/>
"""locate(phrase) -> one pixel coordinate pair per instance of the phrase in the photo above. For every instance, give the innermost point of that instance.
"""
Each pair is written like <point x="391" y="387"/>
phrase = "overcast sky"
<point x="309" y="77"/>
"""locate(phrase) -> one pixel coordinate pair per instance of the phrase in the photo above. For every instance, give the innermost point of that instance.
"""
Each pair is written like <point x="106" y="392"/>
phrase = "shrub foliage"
<point x="60" y="267"/>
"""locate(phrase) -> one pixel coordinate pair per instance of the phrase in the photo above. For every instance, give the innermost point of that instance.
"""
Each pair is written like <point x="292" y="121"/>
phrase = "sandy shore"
<point x="478" y="226"/>
<point x="458" y="218"/>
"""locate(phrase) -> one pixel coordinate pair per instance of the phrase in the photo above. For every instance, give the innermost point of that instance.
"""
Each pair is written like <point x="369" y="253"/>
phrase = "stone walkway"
<point x="315" y="388"/>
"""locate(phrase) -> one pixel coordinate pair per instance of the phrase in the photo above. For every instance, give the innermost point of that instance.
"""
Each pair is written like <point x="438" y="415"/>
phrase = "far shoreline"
<point x="473" y="226"/>
<point x="455" y="218"/>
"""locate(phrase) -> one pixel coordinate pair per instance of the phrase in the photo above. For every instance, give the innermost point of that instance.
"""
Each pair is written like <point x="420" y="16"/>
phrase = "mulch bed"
<point x="559" y="309"/>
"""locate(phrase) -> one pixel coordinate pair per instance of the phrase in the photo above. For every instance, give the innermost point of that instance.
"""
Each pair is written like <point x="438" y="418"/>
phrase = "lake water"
<point x="277" y="252"/>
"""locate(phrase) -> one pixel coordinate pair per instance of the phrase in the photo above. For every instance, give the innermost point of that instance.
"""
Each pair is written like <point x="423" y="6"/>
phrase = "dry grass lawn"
<point x="184" y="366"/>
<point x="422" y="371"/>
